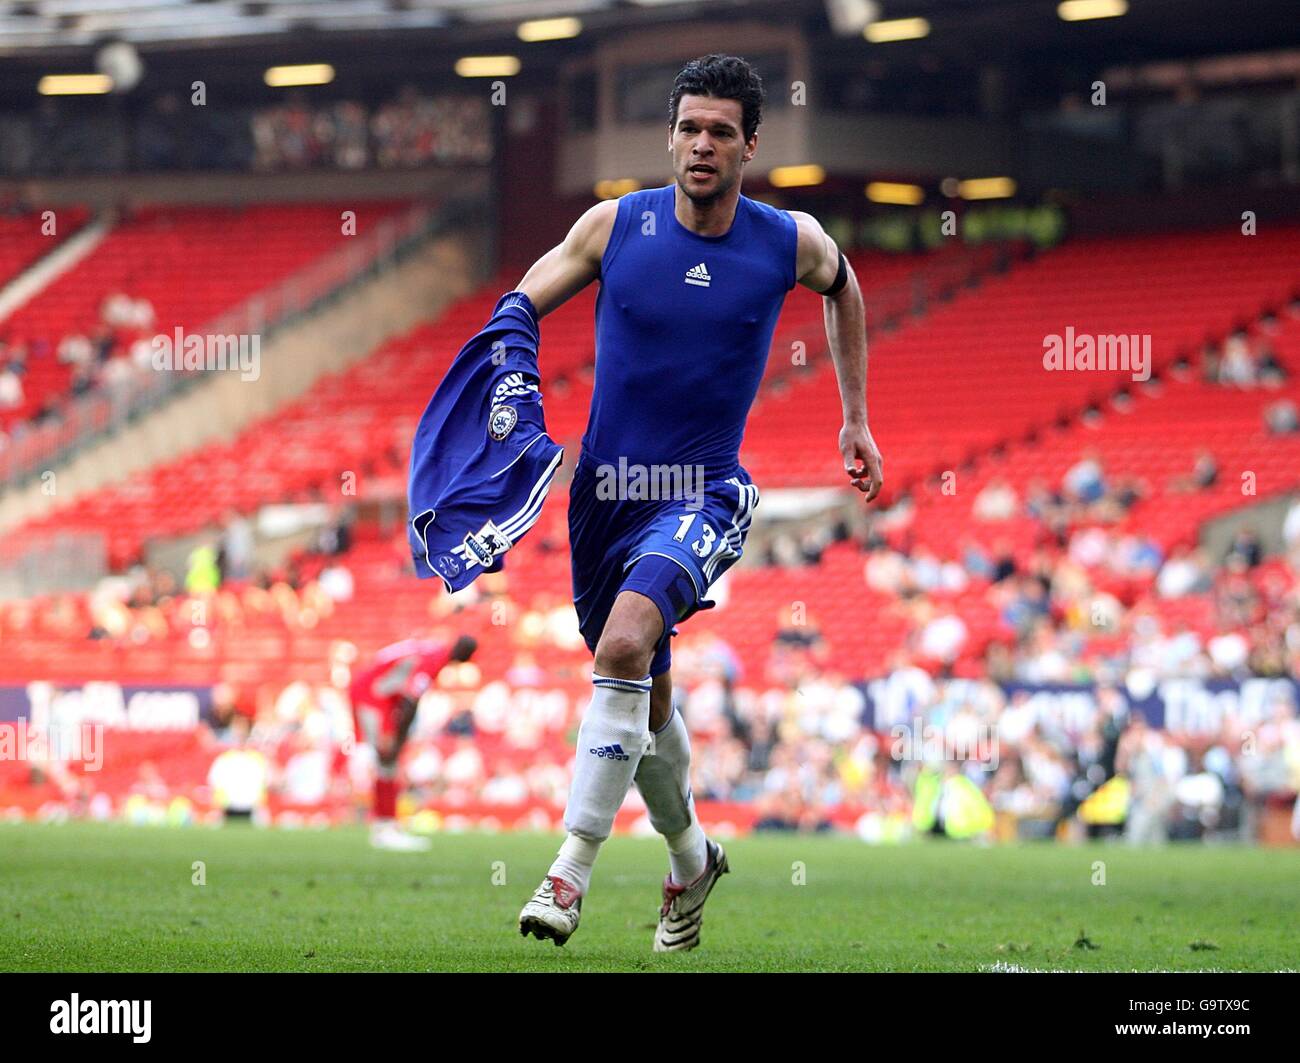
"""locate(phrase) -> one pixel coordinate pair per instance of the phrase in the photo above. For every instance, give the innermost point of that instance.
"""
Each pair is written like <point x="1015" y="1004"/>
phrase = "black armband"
<point x="841" y="278"/>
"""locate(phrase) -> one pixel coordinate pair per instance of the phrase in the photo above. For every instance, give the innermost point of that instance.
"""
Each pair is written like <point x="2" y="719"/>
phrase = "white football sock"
<point x="664" y="780"/>
<point x="573" y="863"/>
<point x="613" y="736"/>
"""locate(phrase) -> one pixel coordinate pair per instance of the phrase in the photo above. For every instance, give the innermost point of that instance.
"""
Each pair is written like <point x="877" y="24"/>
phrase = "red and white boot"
<point x="682" y="913"/>
<point x="553" y="911"/>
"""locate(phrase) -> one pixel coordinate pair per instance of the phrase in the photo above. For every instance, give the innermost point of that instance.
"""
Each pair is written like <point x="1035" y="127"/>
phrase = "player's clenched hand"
<point x="862" y="460"/>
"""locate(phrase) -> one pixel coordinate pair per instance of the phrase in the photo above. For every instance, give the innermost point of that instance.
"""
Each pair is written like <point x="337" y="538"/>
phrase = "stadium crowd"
<point x="1087" y="605"/>
<point x="169" y="132"/>
<point x="799" y="752"/>
<point x="105" y="355"/>
<point x="410" y="130"/>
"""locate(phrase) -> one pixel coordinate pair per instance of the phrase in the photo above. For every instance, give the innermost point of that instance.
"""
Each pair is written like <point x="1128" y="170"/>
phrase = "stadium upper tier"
<point x="971" y="375"/>
<point x="24" y="238"/>
<point x="1154" y="439"/>
<point x="362" y="420"/>
<point x="955" y="384"/>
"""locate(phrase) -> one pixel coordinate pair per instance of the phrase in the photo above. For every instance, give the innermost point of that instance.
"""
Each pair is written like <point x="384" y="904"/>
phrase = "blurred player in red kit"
<point x="384" y="698"/>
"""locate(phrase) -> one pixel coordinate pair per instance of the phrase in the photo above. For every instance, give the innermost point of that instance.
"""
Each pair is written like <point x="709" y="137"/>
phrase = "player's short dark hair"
<point x="464" y="648"/>
<point x="725" y="77"/>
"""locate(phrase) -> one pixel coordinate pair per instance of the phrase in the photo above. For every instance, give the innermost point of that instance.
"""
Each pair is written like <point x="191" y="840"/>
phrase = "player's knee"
<point x="624" y="653"/>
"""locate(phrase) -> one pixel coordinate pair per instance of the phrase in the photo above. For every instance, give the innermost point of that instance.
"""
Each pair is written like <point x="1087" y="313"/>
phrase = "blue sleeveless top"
<point x="683" y="327"/>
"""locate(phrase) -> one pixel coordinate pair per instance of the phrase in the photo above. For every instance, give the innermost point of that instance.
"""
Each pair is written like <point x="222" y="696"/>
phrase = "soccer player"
<point x="692" y="279"/>
<point x="384" y="699"/>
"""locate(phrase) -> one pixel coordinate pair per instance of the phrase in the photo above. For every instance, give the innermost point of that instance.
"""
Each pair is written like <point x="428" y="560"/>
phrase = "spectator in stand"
<point x="117" y="310"/>
<point x="464" y="771"/>
<point x="228" y="703"/>
<point x="1090" y="547"/>
<point x="1245" y="545"/>
<point x="1026" y="606"/>
<point x="1047" y="657"/>
<point x="1129" y="491"/>
<point x="887" y="571"/>
<point x="1267" y="655"/>
<point x="1084" y="482"/>
<point x="1204" y="475"/>
<point x="1004" y="561"/>
<point x="798" y="646"/>
<point x="202" y="575"/>
<point x="1229" y="653"/>
<point x="240" y="776"/>
<point x="762" y="742"/>
<point x="286" y="136"/>
<point x="1186" y="571"/>
<point x="335" y="536"/>
<point x="141" y="354"/>
<point x="83" y="379"/>
<point x="305" y="780"/>
<point x="336" y="582"/>
<point x="997" y="501"/>
<point x="1291" y="525"/>
<point x="76" y="349"/>
<point x="1236" y="602"/>
<point x="1134" y="555"/>
<point x="942" y="638"/>
<point x="783" y="551"/>
<point x="975" y="560"/>
<point x="1209" y="358"/>
<point x="15" y="357"/>
<point x="525" y="671"/>
<point x="102" y="341"/>
<point x="813" y="543"/>
<point x="1151" y="765"/>
<point x="11" y="389"/>
<point x="1268" y="369"/>
<point x="235" y="558"/>
<point x="1041" y="503"/>
<point x="349" y="147"/>
<point x="799" y="631"/>
<point x="116" y="372"/>
<point x="1237" y="365"/>
<point x="1273" y="771"/>
<point x="1282" y="418"/>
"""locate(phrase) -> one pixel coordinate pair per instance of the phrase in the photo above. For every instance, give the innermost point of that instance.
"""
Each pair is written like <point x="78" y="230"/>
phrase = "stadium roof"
<point x="36" y="27"/>
<point x="46" y="24"/>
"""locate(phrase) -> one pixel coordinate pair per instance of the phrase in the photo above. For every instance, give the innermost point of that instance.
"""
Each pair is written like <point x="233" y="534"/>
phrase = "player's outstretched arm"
<point x="570" y="266"/>
<point x="822" y="268"/>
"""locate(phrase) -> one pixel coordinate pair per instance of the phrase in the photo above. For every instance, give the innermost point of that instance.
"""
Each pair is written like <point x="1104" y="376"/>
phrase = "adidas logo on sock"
<point x="614" y="752"/>
<point x="698" y="275"/>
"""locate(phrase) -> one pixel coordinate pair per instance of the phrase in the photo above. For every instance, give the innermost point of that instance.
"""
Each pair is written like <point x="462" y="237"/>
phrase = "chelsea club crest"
<point x="502" y="421"/>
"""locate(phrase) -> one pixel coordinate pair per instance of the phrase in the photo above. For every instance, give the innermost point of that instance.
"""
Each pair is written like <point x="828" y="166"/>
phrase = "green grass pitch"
<point x="100" y="897"/>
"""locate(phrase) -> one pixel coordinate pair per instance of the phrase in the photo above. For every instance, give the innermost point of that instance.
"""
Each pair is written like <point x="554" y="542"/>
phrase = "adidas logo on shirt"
<point x="698" y="275"/>
<point x="512" y="385"/>
<point x="614" y="752"/>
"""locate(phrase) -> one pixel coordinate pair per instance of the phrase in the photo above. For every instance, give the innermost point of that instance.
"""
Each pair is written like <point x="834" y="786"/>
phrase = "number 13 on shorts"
<point x="702" y="546"/>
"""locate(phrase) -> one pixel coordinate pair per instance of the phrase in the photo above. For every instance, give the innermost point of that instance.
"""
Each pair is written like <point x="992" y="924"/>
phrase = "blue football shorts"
<point x="671" y="549"/>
